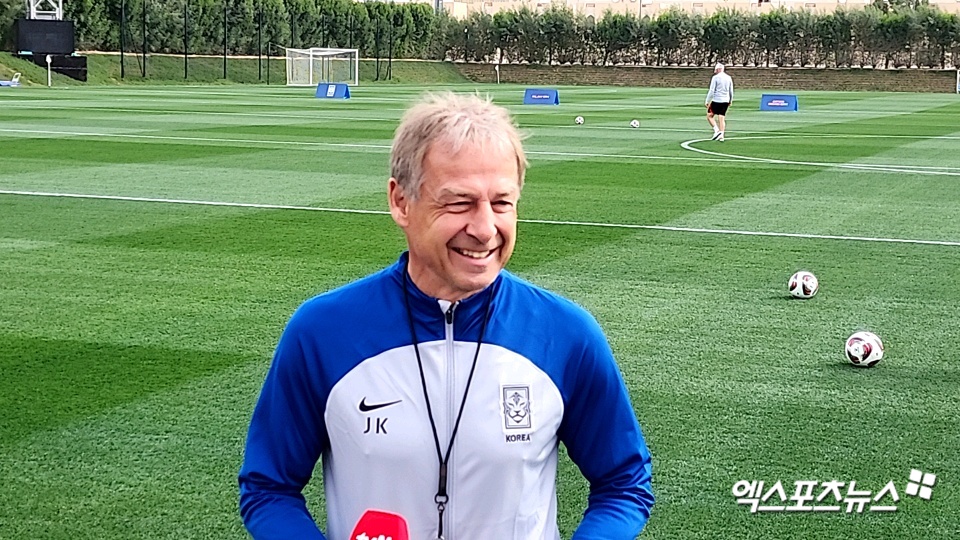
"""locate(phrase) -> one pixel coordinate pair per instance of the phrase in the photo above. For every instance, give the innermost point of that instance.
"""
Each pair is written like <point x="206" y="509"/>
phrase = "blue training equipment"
<point x="779" y="102"/>
<point x="333" y="91"/>
<point x="541" y="96"/>
<point x="15" y="81"/>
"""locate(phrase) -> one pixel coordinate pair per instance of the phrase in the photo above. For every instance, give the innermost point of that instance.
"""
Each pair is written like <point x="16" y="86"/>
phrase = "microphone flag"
<point x="380" y="525"/>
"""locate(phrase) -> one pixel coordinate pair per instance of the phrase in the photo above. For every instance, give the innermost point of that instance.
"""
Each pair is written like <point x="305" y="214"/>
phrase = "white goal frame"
<point x="310" y="67"/>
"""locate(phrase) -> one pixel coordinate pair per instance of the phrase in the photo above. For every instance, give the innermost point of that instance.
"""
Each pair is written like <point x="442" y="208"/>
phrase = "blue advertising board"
<point x="541" y="96"/>
<point x="333" y="91"/>
<point x="779" y="102"/>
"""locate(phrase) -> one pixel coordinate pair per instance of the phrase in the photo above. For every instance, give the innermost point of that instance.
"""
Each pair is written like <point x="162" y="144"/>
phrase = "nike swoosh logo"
<point x="364" y="407"/>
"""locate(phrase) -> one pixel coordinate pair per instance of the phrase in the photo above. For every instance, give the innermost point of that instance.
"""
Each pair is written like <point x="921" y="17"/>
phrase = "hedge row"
<point x="883" y="35"/>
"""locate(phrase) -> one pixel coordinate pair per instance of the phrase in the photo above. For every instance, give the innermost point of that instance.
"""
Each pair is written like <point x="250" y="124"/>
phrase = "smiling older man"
<point x="440" y="388"/>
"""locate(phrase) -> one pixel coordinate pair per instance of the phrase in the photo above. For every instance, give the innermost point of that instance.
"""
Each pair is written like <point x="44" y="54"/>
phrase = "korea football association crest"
<point x="516" y="407"/>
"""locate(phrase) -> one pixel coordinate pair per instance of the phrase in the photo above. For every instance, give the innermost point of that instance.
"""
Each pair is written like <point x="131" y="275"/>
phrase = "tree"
<point x="440" y="28"/>
<point x="506" y="35"/>
<point x="90" y="22"/>
<point x="942" y="31"/>
<point x="901" y="32"/>
<point x="866" y="40"/>
<point x="421" y="29"/>
<point x="898" y="32"/>
<point x="772" y="35"/>
<point x="589" y="51"/>
<point x="276" y="22"/>
<point x="359" y="31"/>
<point x="725" y="34"/>
<point x="479" y="36"/>
<point x="559" y="30"/>
<point x="835" y="35"/>
<point x="530" y="45"/>
<point x="668" y="33"/>
<point x="615" y="33"/>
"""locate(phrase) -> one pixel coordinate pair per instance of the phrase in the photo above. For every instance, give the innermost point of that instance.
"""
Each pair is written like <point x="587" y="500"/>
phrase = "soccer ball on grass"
<point x="863" y="349"/>
<point x="803" y="285"/>
<point x="634" y="123"/>
<point x="578" y="120"/>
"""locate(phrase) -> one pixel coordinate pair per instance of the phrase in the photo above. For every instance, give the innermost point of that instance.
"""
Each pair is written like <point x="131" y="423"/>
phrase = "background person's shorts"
<point x="719" y="108"/>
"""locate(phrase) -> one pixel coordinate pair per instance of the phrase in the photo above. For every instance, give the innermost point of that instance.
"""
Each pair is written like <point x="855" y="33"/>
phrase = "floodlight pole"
<point x="390" y="49"/>
<point x="186" y="36"/>
<point x="123" y="31"/>
<point x="224" y="39"/>
<point x="293" y="29"/>
<point x="144" y="49"/>
<point x="260" y="43"/>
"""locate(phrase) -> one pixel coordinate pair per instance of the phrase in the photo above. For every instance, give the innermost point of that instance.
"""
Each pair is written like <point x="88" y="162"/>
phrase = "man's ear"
<point x="399" y="203"/>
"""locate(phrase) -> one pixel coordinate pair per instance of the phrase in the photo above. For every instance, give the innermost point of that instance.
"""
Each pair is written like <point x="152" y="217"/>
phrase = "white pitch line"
<point x="254" y="142"/>
<point x="536" y="221"/>
<point x="722" y="158"/>
<point x="189" y="201"/>
<point x="194" y="139"/>
<point x="160" y="112"/>
<point x="896" y="169"/>
<point x="748" y="233"/>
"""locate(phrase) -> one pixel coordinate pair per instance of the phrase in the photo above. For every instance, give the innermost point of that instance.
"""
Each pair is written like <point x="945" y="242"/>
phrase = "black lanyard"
<point x="441" y="497"/>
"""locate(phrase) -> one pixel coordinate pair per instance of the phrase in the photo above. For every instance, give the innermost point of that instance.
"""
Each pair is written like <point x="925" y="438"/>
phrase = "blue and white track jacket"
<point x="344" y="385"/>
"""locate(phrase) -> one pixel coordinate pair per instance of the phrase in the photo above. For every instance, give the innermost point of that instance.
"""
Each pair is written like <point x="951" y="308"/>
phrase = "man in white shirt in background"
<point x="719" y="98"/>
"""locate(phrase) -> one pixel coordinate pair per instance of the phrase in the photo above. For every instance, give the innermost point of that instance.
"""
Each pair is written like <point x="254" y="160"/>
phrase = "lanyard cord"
<point x="441" y="497"/>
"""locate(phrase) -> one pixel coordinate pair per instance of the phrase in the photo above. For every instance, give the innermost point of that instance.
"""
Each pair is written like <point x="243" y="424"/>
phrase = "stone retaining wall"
<point x="778" y="79"/>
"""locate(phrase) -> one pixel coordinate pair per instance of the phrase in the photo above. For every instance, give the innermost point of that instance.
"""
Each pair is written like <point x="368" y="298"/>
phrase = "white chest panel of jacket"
<point x="502" y="468"/>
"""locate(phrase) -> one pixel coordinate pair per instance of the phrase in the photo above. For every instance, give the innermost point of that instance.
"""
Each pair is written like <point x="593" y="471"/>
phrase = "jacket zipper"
<point x="452" y="401"/>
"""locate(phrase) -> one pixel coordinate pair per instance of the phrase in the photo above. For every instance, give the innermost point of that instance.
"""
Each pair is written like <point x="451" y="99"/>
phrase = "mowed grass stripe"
<point x="909" y="203"/>
<point x="374" y="199"/>
<point x="758" y="381"/>
<point x="108" y="151"/>
<point x="161" y="467"/>
<point x="51" y="383"/>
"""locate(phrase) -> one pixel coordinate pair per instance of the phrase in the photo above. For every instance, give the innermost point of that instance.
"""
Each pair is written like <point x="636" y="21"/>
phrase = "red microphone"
<point x="380" y="525"/>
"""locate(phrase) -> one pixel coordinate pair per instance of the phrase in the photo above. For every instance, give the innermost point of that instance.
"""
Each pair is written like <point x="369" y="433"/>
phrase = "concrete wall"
<point x="776" y="79"/>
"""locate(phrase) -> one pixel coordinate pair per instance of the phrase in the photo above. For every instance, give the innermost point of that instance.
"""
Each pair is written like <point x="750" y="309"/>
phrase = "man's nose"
<point x="482" y="225"/>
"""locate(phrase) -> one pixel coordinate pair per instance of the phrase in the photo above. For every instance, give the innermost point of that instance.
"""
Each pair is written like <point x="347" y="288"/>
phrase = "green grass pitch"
<point x="135" y="328"/>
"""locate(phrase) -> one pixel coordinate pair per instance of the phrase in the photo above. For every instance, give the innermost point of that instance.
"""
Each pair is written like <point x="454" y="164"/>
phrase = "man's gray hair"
<point x="457" y="120"/>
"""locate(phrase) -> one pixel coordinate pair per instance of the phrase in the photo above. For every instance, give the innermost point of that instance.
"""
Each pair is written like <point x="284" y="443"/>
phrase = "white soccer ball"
<point x="634" y="123"/>
<point x="578" y="120"/>
<point x="863" y="349"/>
<point x="803" y="285"/>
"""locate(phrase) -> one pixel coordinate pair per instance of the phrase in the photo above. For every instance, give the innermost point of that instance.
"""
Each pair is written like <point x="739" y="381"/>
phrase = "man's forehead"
<point x="504" y="187"/>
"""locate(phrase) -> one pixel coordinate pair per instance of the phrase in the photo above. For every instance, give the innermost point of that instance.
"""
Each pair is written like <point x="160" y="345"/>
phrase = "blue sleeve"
<point x="285" y="440"/>
<point x="603" y="438"/>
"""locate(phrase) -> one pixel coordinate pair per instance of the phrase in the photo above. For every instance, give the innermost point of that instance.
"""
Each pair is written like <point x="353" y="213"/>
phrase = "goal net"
<point x="310" y="67"/>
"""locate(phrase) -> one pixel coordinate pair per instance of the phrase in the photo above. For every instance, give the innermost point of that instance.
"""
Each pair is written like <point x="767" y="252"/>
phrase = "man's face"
<point x="462" y="228"/>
